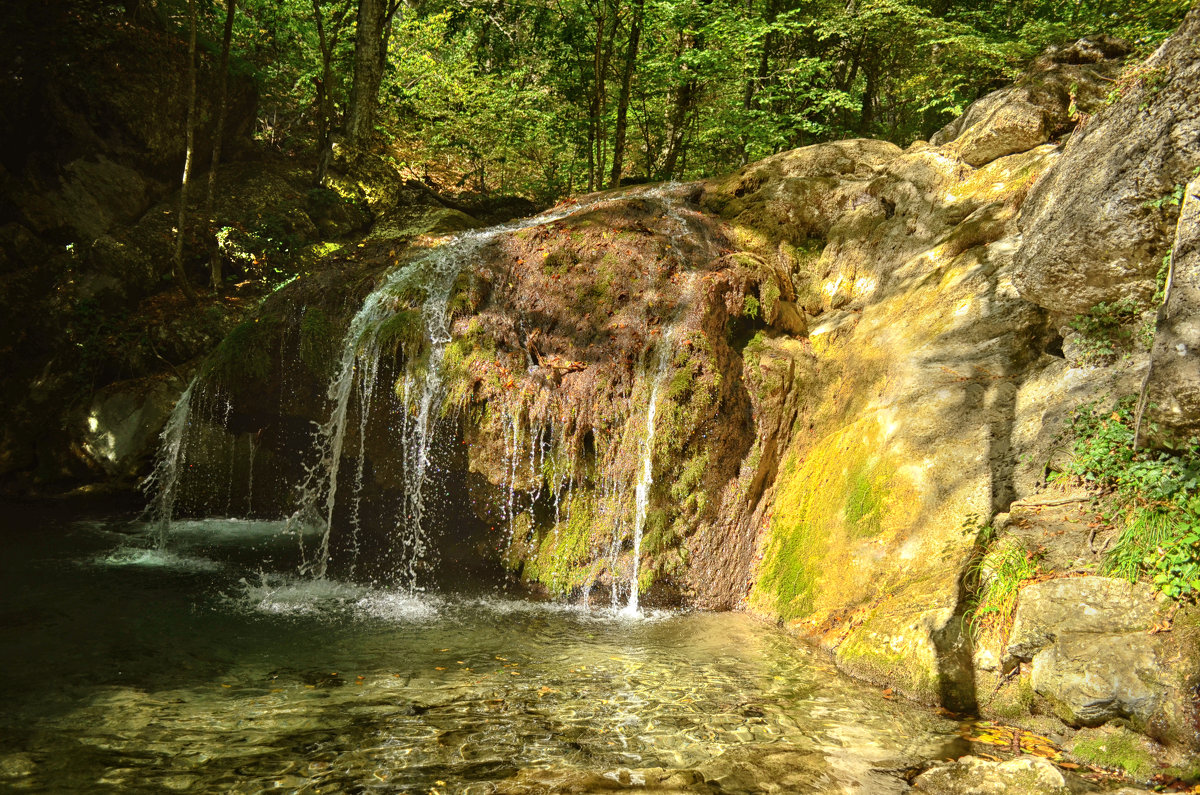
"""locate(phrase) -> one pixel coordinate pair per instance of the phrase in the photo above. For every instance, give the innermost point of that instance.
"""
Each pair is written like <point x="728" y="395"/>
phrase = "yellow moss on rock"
<point x="844" y="494"/>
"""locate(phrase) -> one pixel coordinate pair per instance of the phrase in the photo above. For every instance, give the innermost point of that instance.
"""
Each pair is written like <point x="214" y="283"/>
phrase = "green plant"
<point x="1151" y="496"/>
<point x="1001" y="572"/>
<point x="750" y="307"/>
<point x="1105" y="330"/>
<point x="1172" y="198"/>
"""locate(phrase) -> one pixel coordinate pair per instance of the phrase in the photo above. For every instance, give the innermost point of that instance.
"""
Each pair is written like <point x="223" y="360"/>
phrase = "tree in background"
<point x="550" y="97"/>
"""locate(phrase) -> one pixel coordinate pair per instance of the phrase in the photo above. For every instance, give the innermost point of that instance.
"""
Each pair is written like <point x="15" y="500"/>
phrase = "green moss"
<point x="1121" y="750"/>
<point x="865" y="500"/>
<point x="910" y="674"/>
<point x="562" y="557"/>
<point x="405" y="329"/>
<point x="750" y="307"/>
<point x="244" y="356"/>
<point x="841" y="493"/>
<point x="560" y="261"/>
<point x="317" y="342"/>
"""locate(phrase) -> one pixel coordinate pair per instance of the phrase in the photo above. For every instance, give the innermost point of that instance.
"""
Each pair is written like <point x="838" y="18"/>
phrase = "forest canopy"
<point x="544" y="98"/>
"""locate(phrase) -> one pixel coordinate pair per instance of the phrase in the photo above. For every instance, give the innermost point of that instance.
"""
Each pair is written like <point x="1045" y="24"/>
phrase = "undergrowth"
<point x="1151" y="497"/>
<point x="1107" y="330"/>
<point x="1002" y="572"/>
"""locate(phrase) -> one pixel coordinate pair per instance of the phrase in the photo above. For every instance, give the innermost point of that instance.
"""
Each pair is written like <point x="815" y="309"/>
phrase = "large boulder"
<point x="1062" y="82"/>
<point x="1172" y="391"/>
<point x="1097" y="652"/>
<point x="1097" y="226"/>
<point x="119" y="431"/>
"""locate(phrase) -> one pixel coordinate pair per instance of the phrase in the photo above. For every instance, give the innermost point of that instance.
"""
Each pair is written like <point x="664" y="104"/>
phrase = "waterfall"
<point x="645" y="472"/>
<point x="164" y="479"/>
<point x="325" y="495"/>
<point x="434" y="274"/>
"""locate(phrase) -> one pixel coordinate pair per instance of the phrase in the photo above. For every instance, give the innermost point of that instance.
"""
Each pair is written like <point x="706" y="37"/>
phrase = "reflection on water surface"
<point x="188" y="670"/>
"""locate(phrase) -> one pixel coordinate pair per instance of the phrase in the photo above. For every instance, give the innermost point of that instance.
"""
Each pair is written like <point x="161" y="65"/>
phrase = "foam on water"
<point x="329" y="598"/>
<point x="156" y="559"/>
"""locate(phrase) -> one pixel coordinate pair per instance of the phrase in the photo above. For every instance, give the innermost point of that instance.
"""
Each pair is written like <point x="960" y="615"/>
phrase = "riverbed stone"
<point x="972" y="775"/>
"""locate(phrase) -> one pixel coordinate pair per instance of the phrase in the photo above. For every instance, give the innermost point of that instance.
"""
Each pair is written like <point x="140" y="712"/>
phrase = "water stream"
<point x="645" y="475"/>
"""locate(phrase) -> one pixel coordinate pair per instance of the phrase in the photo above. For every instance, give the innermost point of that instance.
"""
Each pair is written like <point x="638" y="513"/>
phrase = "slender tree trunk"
<point x="181" y="218"/>
<point x="868" y="100"/>
<point x="325" y="123"/>
<point x="368" y="71"/>
<point x="752" y="87"/>
<point x="685" y="98"/>
<point x="214" y="256"/>
<point x="631" y="53"/>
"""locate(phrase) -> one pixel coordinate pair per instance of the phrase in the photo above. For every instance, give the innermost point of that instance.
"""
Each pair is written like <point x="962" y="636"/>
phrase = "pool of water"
<point x="128" y="669"/>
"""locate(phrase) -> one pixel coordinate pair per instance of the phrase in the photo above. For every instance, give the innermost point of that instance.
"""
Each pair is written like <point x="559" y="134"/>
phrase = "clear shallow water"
<point x="133" y="670"/>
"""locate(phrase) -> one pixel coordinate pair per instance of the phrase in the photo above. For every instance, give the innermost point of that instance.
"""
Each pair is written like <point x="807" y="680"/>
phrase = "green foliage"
<point x="1002" y="572"/>
<point x="1106" y="330"/>
<point x="524" y="98"/>
<point x="1151" y="496"/>
<point x="750" y="307"/>
<point x="1172" y="198"/>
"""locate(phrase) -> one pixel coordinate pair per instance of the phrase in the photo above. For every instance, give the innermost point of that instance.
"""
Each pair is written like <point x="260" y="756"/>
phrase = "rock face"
<point x="120" y="429"/>
<point x="1171" y="395"/>
<point x="1095" y="654"/>
<point x="1097" y="227"/>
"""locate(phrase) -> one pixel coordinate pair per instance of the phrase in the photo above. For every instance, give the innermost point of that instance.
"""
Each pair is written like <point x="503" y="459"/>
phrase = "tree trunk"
<point x="868" y="101"/>
<point x="685" y="98"/>
<point x="631" y="53"/>
<point x="214" y="256"/>
<point x="325" y="97"/>
<point x="181" y="218"/>
<point x="752" y="86"/>
<point x="368" y="71"/>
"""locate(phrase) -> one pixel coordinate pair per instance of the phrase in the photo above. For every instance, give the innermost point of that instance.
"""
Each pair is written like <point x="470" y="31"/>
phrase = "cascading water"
<point x="164" y="480"/>
<point x="645" y="477"/>
<point x="421" y="389"/>
<point x="435" y="275"/>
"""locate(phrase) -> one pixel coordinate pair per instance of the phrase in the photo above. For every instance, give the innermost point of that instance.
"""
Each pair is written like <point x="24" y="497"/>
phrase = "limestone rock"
<point x="1094" y="658"/>
<point x="1172" y="392"/>
<point x="1095" y="605"/>
<point x="1008" y="124"/>
<point x="1020" y="117"/>
<point x="972" y="775"/>
<point x="1093" y="678"/>
<point x="120" y="431"/>
<point x="1097" y="226"/>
